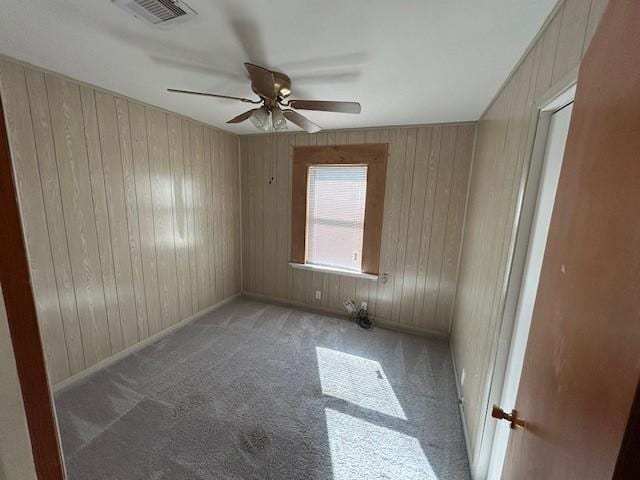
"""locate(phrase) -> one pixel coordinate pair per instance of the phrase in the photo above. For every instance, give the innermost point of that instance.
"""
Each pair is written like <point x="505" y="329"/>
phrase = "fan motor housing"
<point x="282" y="84"/>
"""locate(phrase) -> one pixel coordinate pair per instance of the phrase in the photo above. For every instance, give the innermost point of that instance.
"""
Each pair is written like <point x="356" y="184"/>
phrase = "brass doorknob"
<point x="515" y="421"/>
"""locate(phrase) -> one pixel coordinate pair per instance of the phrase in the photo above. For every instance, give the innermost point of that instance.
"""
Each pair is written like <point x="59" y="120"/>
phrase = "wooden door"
<point x="583" y="355"/>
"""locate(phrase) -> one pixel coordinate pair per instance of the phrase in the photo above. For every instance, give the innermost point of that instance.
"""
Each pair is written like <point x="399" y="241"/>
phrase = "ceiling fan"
<point x="273" y="88"/>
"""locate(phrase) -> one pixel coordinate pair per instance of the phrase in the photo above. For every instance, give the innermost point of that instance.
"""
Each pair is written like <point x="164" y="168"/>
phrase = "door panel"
<point x="583" y="358"/>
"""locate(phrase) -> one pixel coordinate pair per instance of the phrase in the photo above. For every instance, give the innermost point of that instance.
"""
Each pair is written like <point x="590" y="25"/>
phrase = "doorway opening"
<point x="538" y="200"/>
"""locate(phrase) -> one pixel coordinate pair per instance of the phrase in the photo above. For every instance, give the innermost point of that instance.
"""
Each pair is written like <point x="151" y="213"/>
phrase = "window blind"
<point x="336" y="196"/>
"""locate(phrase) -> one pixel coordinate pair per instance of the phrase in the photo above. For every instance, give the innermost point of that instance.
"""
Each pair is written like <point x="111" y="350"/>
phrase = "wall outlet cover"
<point x="349" y="306"/>
<point x="318" y="295"/>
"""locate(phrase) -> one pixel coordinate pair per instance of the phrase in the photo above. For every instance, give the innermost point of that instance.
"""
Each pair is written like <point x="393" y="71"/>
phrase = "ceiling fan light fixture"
<point x="261" y="119"/>
<point x="278" y="120"/>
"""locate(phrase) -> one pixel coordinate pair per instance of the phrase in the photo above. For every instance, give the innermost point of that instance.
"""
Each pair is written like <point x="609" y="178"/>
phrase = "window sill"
<point x="334" y="271"/>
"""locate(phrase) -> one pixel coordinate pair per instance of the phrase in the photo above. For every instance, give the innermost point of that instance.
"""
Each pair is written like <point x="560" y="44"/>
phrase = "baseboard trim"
<point x="465" y="429"/>
<point x="138" y="346"/>
<point x="317" y="308"/>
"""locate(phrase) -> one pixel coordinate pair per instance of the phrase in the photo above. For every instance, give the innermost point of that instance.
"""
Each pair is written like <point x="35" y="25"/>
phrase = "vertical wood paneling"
<point x="419" y="188"/>
<point x="213" y="279"/>
<point x="144" y="200"/>
<point x="100" y="207"/>
<point x="438" y="229"/>
<point x="23" y="150"/>
<point x="453" y="232"/>
<point x="433" y="159"/>
<point x="244" y="194"/>
<point x="503" y="136"/>
<point x="162" y="198"/>
<point x="197" y="164"/>
<point x="119" y="205"/>
<point x="261" y="167"/>
<point x="126" y="331"/>
<point x="235" y="214"/>
<point x="269" y="199"/>
<point x="217" y="217"/>
<point x="407" y="146"/>
<point x="191" y="222"/>
<point x="228" y="223"/>
<point x="180" y="233"/>
<point x="573" y="30"/>
<point x="597" y="9"/>
<point x="75" y="183"/>
<point x="133" y="221"/>
<point x="250" y="213"/>
<point x="419" y="202"/>
<point x="39" y="105"/>
<point x="208" y="224"/>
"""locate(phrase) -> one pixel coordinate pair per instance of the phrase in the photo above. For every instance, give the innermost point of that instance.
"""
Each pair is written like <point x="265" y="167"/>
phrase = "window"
<point x="335" y="215"/>
<point x="337" y="206"/>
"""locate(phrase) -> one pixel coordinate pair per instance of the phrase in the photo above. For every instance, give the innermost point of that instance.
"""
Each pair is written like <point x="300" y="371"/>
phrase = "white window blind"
<point x="336" y="197"/>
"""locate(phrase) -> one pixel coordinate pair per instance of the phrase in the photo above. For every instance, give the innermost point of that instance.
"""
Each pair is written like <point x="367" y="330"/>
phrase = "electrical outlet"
<point x="349" y="306"/>
<point x="318" y="295"/>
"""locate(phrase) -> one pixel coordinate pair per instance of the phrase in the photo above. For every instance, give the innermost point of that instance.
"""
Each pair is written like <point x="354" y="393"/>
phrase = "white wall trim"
<point x="465" y="429"/>
<point x="339" y="313"/>
<point x="138" y="346"/>
<point x="335" y="271"/>
<point x="560" y="93"/>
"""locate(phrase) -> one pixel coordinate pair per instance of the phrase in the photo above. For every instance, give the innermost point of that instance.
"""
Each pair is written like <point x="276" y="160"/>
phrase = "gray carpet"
<point x="255" y="391"/>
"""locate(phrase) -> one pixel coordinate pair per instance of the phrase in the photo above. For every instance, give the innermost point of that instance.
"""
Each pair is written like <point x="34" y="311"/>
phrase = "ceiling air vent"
<point x="157" y="11"/>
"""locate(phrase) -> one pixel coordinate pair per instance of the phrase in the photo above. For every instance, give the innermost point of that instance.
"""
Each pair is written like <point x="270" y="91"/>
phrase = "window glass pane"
<point x="335" y="218"/>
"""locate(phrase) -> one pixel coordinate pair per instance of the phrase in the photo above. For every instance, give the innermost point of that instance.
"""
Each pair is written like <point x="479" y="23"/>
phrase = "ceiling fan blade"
<point x="303" y="122"/>
<point x="325" y="106"/>
<point x="204" y="94"/>
<point x="248" y="34"/>
<point x="243" y="116"/>
<point x="262" y="81"/>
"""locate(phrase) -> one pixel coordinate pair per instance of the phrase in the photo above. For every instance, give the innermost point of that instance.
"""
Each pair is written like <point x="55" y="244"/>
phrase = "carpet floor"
<point x="254" y="391"/>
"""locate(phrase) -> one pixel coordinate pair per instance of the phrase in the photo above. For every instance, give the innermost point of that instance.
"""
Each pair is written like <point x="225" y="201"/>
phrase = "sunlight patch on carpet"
<point x="357" y="380"/>
<point x="363" y="450"/>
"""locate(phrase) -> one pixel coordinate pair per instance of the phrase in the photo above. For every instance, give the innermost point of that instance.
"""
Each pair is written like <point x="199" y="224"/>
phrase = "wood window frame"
<point x="374" y="156"/>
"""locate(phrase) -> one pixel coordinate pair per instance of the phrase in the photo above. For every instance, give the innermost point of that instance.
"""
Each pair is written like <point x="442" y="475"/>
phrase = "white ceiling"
<point x="405" y="61"/>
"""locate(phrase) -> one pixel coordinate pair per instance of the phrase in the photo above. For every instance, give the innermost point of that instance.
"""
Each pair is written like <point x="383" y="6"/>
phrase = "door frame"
<point x="560" y="94"/>
<point x="23" y="325"/>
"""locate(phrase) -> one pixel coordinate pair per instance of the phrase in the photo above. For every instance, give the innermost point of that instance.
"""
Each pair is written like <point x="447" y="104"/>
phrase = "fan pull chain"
<point x="272" y="159"/>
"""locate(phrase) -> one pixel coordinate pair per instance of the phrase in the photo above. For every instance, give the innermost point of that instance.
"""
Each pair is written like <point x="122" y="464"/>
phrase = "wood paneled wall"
<point x="426" y="188"/>
<point x="502" y="154"/>
<point x="131" y="214"/>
